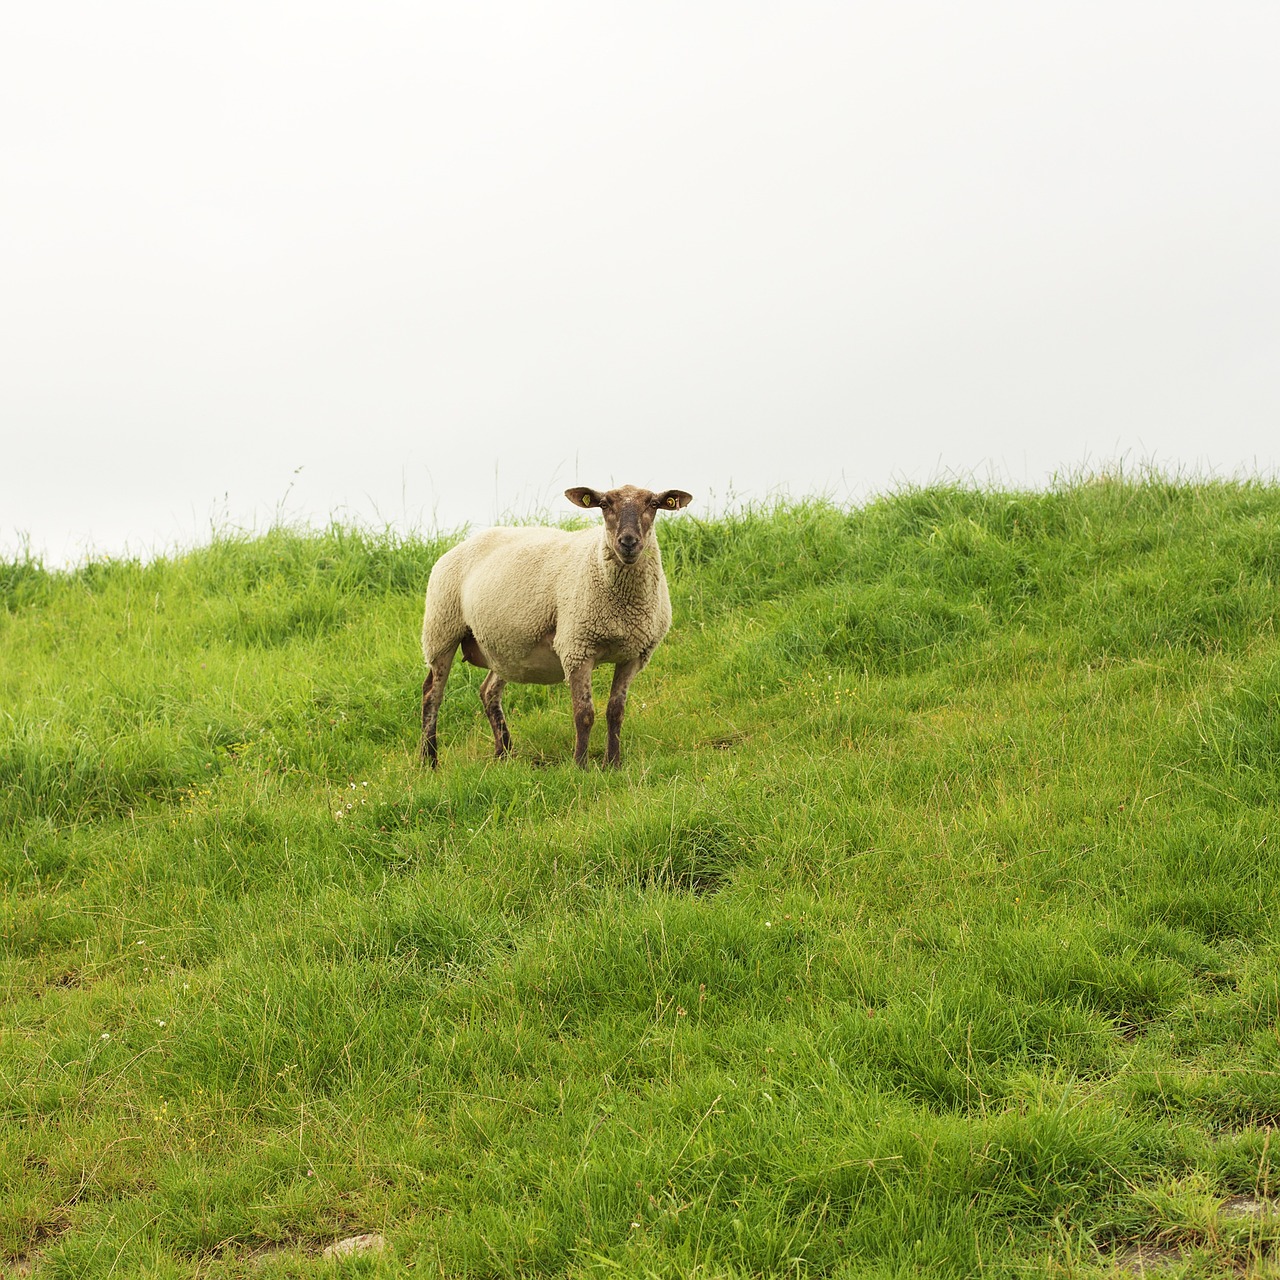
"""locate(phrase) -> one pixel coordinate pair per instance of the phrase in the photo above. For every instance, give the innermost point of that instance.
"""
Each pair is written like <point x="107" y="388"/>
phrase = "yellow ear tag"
<point x="586" y="501"/>
<point x="671" y="502"/>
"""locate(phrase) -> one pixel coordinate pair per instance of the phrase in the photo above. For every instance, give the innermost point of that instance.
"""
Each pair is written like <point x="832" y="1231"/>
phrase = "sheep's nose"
<point x="628" y="544"/>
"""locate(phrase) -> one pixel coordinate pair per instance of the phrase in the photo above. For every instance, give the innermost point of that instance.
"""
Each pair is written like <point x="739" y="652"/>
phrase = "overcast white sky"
<point x="429" y="264"/>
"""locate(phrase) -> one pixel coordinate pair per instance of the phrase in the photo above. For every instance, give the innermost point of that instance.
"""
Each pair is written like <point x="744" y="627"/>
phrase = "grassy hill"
<point x="930" y="927"/>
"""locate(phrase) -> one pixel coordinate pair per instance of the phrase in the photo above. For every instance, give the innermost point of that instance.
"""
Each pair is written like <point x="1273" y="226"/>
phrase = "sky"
<point x="426" y="265"/>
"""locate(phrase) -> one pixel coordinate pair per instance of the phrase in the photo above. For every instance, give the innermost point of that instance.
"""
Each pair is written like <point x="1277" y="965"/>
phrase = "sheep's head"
<point x="628" y="515"/>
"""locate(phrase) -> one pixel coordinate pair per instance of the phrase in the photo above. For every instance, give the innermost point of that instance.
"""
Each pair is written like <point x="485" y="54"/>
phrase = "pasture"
<point x="929" y="927"/>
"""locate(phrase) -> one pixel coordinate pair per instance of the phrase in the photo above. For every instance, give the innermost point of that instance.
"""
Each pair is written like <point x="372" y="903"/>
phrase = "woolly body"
<point x="540" y="602"/>
<point x="541" y="605"/>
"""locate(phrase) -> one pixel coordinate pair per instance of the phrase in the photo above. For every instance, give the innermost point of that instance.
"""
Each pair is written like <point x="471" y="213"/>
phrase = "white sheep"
<point x="538" y="606"/>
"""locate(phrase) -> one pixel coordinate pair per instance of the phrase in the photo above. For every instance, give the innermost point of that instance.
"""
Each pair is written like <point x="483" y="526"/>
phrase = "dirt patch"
<point x="1145" y="1259"/>
<point x="1247" y="1207"/>
<point x="1151" y="1259"/>
<point x="42" y="1238"/>
<point x="369" y="1242"/>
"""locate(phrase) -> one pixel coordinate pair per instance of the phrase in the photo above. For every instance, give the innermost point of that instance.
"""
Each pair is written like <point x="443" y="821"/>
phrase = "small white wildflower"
<point x="768" y="924"/>
<point x="337" y="813"/>
<point x="106" y="1035"/>
<point x="159" y="1022"/>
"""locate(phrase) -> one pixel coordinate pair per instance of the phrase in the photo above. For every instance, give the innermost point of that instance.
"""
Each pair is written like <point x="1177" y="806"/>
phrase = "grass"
<point x="930" y="926"/>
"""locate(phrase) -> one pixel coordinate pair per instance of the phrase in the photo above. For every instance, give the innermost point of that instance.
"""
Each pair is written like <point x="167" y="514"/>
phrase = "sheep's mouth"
<point x="629" y="557"/>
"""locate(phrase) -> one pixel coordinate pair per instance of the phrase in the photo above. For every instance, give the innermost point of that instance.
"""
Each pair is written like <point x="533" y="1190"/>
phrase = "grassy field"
<point x="929" y="928"/>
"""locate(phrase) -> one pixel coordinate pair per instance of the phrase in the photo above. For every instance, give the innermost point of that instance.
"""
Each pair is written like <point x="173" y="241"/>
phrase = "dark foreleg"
<point x="491" y="699"/>
<point x="584" y="714"/>
<point x="623" y="674"/>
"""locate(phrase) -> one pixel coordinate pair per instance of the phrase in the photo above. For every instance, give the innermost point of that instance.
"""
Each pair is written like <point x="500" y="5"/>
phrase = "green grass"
<point x="930" y="926"/>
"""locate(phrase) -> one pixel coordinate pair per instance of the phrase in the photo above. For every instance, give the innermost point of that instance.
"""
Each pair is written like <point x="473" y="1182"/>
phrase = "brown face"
<point x="628" y="514"/>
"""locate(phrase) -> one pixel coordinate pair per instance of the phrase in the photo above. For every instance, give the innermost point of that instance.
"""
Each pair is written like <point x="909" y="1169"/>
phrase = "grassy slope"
<point x="930" y="926"/>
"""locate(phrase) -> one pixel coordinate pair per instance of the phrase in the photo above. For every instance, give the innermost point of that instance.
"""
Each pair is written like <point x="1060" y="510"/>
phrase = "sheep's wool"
<point x="540" y="602"/>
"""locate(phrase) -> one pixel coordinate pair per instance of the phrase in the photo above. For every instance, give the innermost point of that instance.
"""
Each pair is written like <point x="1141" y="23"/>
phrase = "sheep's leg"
<point x="491" y="688"/>
<point x="584" y="714"/>
<point x="432" y="696"/>
<point x="426" y="701"/>
<point x="623" y="674"/>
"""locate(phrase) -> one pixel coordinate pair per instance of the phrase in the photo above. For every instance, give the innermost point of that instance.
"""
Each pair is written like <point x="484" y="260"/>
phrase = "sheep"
<point x="539" y="605"/>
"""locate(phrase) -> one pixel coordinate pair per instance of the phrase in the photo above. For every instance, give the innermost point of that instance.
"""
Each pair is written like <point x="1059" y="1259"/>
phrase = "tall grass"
<point x="929" y="928"/>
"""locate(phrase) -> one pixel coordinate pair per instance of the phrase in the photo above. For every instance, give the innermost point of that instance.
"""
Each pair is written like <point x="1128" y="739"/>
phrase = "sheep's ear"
<point x="674" y="499"/>
<point x="583" y="497"/>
